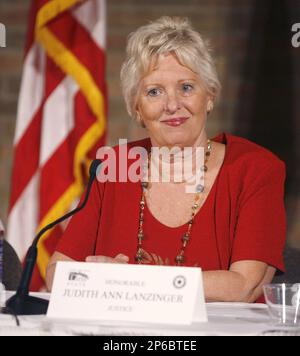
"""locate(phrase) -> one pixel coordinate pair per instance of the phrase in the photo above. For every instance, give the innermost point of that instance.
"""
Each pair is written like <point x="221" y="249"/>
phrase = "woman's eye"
<point x="187" y="88"/>
<point x="153" y="92"/>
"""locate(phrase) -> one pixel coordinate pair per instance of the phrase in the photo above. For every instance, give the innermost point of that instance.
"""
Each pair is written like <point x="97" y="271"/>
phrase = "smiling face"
<point x="173" y="103"/>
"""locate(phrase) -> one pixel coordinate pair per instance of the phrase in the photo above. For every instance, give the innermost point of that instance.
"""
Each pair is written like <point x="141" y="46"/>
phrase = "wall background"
<point x="259" y="70"/>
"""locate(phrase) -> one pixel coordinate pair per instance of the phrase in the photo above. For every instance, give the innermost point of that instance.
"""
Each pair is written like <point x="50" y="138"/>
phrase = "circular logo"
<point x="179" y="282"/>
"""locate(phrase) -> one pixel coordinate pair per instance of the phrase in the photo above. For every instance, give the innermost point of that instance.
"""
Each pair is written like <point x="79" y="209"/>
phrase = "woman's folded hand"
<point x="120" y="258"/>
<point x="153" y="259"/>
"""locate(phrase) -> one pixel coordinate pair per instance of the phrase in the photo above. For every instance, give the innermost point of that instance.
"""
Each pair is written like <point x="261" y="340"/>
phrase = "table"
<point x="224" y="319"/>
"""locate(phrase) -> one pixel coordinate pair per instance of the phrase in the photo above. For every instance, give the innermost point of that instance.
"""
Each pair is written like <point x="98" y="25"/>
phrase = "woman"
<point x="232" y="226"/>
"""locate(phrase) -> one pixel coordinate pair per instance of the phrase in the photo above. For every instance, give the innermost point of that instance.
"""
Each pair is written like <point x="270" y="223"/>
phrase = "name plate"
<point x="133" y="293"/>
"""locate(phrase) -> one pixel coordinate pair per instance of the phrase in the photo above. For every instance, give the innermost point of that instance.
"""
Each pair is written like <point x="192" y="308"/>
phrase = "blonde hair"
<point x="166" y="35"/>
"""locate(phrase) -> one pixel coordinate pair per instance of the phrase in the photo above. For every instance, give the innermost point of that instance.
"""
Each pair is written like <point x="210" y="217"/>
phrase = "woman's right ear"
<point x="210" y="107"/>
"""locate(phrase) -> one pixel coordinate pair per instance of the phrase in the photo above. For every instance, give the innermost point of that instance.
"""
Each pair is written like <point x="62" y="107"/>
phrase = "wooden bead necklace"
<point x="180" y="259"/>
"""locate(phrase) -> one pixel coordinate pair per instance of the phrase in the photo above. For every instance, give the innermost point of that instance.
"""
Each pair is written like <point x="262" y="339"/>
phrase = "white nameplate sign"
<point x="133" y="293"/>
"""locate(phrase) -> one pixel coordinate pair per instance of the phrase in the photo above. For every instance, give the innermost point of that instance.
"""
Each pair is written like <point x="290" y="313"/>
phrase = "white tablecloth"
<point x="223" y="319"/>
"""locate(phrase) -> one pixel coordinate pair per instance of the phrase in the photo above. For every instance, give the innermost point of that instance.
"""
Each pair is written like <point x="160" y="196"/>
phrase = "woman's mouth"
<point x="175" y="122"/>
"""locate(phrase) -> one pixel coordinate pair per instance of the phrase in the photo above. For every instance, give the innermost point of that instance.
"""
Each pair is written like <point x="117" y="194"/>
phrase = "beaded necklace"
<point x="180" y="258"/>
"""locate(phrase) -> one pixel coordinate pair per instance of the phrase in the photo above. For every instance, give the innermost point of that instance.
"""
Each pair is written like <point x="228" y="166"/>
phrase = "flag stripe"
<point x="70" y="64"/>
<point x="24" y="217"/>
<point x="26" y="159"/>
<point x="22" y="173"/>
<point x="51" y="9"/>
<point x="63" y="167"/>
<point x="58" y="119"/>
<point x="57" y="167"/>
<point x="34" y="9"/>
<point x="92" y="16"/>
<point x="32" y="89"/>
<point x="85" y="50"/>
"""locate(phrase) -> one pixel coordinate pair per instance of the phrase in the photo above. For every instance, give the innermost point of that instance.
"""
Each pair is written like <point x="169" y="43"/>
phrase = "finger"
<point x="122" y="258"/>
<point x="155" y="258"/>
<point x="95" y="259"/>
<point x="147" y="259"/>
<point x="167" y="262"/>
<point x="160" y="261"/>
<point x="100" y="259"/>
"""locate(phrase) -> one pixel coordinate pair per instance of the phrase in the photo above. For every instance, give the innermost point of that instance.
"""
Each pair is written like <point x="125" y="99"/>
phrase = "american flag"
<point x="61" y="119"/>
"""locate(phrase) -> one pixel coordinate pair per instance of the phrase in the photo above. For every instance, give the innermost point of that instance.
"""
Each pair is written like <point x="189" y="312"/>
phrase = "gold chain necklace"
<point x="180" y="258"/>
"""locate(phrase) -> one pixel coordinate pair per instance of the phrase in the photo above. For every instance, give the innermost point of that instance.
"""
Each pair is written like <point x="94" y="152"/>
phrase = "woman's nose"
<point x="173" y="103"/>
